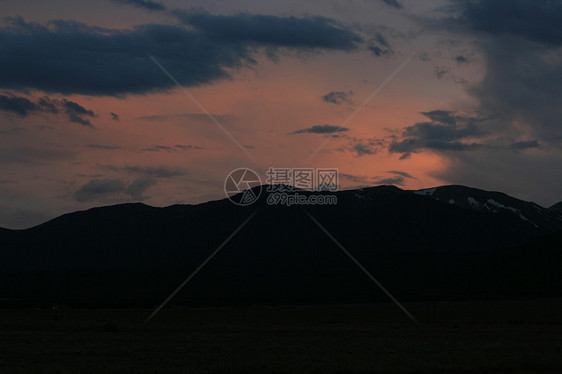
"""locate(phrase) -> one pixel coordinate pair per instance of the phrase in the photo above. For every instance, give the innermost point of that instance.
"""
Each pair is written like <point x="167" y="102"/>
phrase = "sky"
<point x="105" y="102"/>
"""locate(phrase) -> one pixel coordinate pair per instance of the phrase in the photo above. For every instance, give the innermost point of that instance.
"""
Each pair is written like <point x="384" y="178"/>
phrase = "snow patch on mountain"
<point x="426" y="192"/>
<point x="473" y="203"/>
<point x="500" y="205"/>
<point x="516" y="211"/>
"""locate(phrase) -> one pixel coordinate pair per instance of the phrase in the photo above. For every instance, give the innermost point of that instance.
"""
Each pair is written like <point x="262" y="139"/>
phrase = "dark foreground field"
<point x="467" y="337"/>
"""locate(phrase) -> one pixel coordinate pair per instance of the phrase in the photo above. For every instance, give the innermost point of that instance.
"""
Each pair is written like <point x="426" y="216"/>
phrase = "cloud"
<point x="73" y="117"/>
<point x="445" y="126"/>
<point x="379" y="46"/>
<point x="74" y="58"/>
<point x="398" y="180"/>
<point x="362" y="146"/>
<point x="144" y="4"/>
<point x="526" y="144"/>
<point x="267" y="30"/>
<point x="24" y="107"/>
<point x="461" y="60"/>
<point x="538" y="21"/>
<point x="393" y="3"/>
<point x="321" y="129"/>
<point x="138" y="187"/>
<point x="158" y="148"/>
<point x="17" y="105"/>
<point x="114" y="116"/>
<point x="363" y="149"/>
<point x="337" y="97"/>
<point x="445" y="132"/>
<point x="111" y="188"/>
<point x="97" y="188"/>
<point x="186" y="147"/>
<point x="441" y="116"/>
<point x="518" y="43"/>
<point x="401" y="173"/>
<point x="106" y="147"/>
<point x="153" y="171"/>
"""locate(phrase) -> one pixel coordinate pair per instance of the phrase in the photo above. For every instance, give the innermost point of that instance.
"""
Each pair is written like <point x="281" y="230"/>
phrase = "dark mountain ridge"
<point x="418" y="243"/>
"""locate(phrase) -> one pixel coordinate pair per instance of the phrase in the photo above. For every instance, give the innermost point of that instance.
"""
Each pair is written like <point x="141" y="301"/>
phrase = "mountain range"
<point x="449" y="242"/>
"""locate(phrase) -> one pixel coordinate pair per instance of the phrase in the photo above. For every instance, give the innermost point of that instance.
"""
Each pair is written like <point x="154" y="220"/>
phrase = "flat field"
<point x="450" y="337"/>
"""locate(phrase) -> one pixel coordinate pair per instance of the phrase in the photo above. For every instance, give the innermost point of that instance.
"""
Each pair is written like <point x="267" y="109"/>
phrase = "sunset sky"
<point x="472" y="96"/>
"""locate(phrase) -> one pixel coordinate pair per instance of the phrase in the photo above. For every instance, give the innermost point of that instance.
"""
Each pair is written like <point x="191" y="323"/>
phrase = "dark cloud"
<point x="401" y="173"/>
<point x="441" y="116"/>
<point x="76" y="108"/>
<point x="337" y="97"/>
<point x="144" y="4"/>
<point x="398" y="180"/>
<point x="24" y="107"/>
<point x="445" y="132"/>
<point x="158" y="148"/>
<point x="379" y="46"/>
<point x="17" y="105"/>
<point x="186" y="147"/>
<point x="112" y="188"/>
<point x="137" y="189"/>
<point x="97" y="188"/>
<point x="450" y="129"/>
<point x="321" y="129"/>
<point x="393" y="3"/>
<point x="363" y="149"/>
<point x="76" y="112"/>
<point x="74" y="58"/>
<point x="267" y="30"/>
<point x="102" y="146"/>
<point x="525" y="144"/>
<point x="519" y="41"/>
<point x="73" y="117"/>
<point x="114" y="116"/>
<point x="461" y="60"/>
<point x="49" y="106"/>
<point x="362" y="146"/>
<point x="535" y="20"/>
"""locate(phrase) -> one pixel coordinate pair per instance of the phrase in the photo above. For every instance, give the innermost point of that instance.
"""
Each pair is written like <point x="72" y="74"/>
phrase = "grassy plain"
<point x="466" y="337"/>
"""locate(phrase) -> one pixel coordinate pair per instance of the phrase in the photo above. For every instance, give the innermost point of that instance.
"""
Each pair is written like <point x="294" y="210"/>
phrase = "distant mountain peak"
<point x="497" y="203"/>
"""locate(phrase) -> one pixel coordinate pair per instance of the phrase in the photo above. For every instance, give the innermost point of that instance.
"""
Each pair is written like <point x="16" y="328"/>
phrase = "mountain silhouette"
<point x="449" y="242"/>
